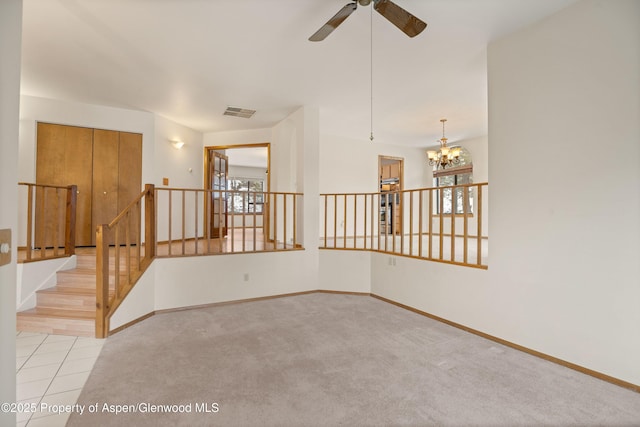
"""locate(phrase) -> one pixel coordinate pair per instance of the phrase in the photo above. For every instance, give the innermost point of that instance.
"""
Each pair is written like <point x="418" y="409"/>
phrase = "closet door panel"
<point x="105" y="177"/>
<point x="64" y="157"/>
<point x="78" y="164"/>
<point x="130" y="174"/>
<point x="130" y="171"/>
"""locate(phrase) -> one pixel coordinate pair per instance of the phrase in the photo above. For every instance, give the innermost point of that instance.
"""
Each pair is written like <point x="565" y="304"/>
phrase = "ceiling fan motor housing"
<point x="364" y="2"/>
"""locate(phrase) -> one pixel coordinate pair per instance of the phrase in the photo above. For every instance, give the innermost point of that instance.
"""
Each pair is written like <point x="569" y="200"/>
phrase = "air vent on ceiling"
<point x="239" y="112"/>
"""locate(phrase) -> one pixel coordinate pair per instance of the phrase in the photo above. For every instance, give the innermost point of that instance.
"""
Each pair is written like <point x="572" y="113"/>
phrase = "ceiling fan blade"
<point x="399" y="17"/>
<point x="333" y="23"/>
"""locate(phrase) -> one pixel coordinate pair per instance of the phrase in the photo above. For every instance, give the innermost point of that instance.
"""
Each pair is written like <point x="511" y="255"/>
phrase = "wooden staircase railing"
<point x="122" y="256"/>
<point x="443" y="224"/>
<point x="51" y="221"/>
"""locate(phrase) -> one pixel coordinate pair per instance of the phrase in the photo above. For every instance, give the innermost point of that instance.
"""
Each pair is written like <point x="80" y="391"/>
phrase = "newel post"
<point x="150" y="222"/>
<point x="102" y="281"/>
<point x="70" y="223"/>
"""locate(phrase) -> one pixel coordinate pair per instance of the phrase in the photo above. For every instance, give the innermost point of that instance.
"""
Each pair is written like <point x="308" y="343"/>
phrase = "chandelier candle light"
<point x="445" y="156"/>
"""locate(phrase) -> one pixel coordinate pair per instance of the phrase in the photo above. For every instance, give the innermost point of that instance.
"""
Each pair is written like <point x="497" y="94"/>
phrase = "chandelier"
<point x="445" y="156"/>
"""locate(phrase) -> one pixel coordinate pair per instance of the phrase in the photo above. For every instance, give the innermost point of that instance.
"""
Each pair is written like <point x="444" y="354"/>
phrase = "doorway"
<point x="240" y="201"/>
<point x="391" y="183"/>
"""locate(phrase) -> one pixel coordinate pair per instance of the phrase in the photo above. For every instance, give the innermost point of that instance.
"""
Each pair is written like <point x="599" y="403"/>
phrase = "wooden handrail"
<point x="409" y="223"/>
<point x="119" y="260"/>
<point x="113" y="275"/>
<point x="50" y="222"/>
<point x="200" y="222"/>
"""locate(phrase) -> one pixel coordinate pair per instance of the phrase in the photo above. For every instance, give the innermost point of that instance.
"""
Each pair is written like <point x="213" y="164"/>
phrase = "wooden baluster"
<point x="454" y="206"/>
<point x="479" y="242"/>
<point x="70" y="220"/>
<point x="116" y="252"/>
<point x="138" y="233"/>
<point x="30" y="221"/>
<point x="207" y="220"/>
<point x="284" y="224"/>
<point x="42" y="225"/>
<point x="355" y="221"/>
<point x="55" y="213"/>
<point x="275" y="221"/>
<point x="127" y="238"/>
<point x="184" y="225"/>
<point x="441" y="206"/>
<point x="325" y="220"/>
<point x="430" y="216"/>
<point x="465" y="212"/>
<point x="195" y="196"/>
<point x="335" y="221"/>
<point x="410" y="223"/>
<point x="255" y="216"/>
<point x="150" y="223"/>
<point x="344" y="221"/>
<point x="364" y="209"/>
<point x="420" y="215"/>
<point x="373" y="229"/>
<point x="102" y="282"/>
<point x="295" y="221"/>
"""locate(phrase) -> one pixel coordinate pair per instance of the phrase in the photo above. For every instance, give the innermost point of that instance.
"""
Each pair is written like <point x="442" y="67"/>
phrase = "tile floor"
<point x="51" y="370"/>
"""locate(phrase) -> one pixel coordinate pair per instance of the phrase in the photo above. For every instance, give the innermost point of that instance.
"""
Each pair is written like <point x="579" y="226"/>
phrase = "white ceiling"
<point x="188" y="60"/>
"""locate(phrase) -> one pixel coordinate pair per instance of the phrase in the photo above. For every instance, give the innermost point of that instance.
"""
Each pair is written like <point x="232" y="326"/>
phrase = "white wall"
<point x="346" y="271"/>
<point x="351" y="166"/>
<point x="10" y="45"/>
<point x="182" y="166"/>
<point x="215" y="279"/>
<point x="184" y="169"/>
<point x="33" y="276"/>
<point x="564" y="229"/>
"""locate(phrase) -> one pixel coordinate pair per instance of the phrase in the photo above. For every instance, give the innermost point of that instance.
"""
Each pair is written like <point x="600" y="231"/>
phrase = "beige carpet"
<point x="325" y="359"/>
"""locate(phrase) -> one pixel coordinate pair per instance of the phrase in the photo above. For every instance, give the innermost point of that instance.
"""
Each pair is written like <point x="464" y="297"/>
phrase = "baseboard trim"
<point x="326" y="291"/>
<point x="238" y="301"/>
<point x="129" y="324"/>
<point x="581" y="369"/>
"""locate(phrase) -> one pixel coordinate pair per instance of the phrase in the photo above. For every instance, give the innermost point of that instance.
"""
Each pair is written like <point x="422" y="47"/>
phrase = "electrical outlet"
<point x="246" y="277"/>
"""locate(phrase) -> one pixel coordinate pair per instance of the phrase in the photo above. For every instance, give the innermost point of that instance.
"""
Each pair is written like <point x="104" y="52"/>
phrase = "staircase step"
<point x="91" y="262"/>
<point x="82" y="278"/>
<point x="60" y="322"/>
<point x="78" y="277"/>
<point x="82" y="299"/>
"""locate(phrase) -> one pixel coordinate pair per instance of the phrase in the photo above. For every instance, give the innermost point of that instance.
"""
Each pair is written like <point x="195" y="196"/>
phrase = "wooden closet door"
<point x="105" y="177"/>
<point x="130" y="168"/>
<point x="64" y="157"/>
<point x="129" y="173"/>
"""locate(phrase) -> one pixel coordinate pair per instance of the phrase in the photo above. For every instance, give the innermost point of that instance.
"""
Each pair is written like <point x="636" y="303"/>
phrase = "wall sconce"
<point x="177" y="144"/>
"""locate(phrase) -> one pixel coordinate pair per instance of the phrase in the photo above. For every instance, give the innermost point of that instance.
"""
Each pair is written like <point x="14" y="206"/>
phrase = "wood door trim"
<point x="207" y="177"/>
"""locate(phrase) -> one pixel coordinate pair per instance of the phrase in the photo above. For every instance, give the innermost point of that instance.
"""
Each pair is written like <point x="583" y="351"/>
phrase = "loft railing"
<point x="50" y="221"/>
<point x="122" y="256"/>
<point x="202" y="222"/>
<point x="186" y="222"/>
<point x="445" y="224"/>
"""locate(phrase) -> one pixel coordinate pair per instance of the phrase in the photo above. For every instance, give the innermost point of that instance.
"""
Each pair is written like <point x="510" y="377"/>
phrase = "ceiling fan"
<point x="399" y="17"/>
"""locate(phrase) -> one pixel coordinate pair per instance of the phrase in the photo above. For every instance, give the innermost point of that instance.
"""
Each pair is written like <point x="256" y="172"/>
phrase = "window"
<point x="459" y="175"/>
<point x="247" y="195"/>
